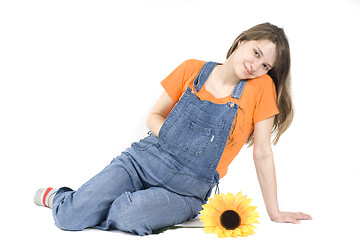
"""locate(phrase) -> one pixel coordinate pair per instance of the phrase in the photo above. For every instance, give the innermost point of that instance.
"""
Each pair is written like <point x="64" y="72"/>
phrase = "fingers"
<point x="303" y="216"/>
<point x="300" y="216"/>
<point x="296" y="221"/>
<point x="295" y="217"/>
<point x="292" y="217"/>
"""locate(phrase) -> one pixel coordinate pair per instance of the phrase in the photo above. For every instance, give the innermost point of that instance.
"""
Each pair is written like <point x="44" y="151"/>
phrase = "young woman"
<point x="207" y="112"/>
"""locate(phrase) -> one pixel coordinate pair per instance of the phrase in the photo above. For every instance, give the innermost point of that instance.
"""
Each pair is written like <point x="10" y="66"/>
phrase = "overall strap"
<point x="205" y="72"/>
<point x="203" y="75"/>
<point x="238" y="89"/>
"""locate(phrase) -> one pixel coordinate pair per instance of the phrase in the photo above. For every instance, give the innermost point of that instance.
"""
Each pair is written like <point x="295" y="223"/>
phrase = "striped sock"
<point x="44" y="197"/>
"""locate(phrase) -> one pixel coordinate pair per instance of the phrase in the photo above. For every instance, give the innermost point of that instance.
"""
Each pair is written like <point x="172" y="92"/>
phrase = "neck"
<point x="221" y="81"/>
<point x="225" y="75"/>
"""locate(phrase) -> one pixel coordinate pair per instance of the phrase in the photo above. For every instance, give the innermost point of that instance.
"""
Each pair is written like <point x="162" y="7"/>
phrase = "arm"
<point x="265" y="168"/>
<point x="159" y="112"/>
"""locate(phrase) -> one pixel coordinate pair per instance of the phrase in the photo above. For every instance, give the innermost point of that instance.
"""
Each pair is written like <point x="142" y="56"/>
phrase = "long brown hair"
<point x="280" y="73"/>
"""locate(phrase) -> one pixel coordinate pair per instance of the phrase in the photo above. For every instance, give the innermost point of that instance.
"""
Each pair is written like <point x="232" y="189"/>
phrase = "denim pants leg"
<point x="90" y="204"/>
<point x="170" y="196"/>
<point x="143" y="211"/>
<point x="136" y="193"/>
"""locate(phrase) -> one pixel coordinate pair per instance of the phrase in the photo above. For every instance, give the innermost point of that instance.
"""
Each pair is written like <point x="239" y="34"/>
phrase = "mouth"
<point x="247" y="70"/>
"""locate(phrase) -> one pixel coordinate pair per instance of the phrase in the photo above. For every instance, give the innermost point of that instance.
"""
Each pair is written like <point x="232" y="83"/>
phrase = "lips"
<point x="247" y="70"/>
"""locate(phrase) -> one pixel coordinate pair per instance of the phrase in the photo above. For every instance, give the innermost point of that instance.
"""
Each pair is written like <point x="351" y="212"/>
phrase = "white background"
<point x="78" y="79"/>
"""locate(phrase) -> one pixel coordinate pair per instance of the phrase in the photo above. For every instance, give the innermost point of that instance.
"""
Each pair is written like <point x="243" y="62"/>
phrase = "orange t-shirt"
<point x="257" y="103"/>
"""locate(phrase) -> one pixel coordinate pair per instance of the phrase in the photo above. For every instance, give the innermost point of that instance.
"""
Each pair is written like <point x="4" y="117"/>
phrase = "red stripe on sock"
<point x="45" y="194"/>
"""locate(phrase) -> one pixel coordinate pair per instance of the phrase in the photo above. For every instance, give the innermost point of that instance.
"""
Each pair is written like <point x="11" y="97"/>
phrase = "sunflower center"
<point x="230" y="220"/>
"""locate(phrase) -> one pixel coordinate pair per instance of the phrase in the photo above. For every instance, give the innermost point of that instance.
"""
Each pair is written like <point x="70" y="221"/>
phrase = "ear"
<point x="239" y="43"/>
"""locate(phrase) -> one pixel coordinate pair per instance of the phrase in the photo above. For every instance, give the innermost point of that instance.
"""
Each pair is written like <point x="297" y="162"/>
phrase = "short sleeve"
<point x="265" y="106"/>
<point x="174" y="83"/>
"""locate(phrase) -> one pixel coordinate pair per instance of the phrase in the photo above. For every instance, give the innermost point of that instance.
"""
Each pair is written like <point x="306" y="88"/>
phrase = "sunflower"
<point x="229" y="216"/>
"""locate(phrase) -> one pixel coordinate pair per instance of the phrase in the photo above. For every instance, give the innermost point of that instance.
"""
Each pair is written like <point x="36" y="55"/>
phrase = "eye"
<point x="266" y="67"/>
<point x="256" y="53"/>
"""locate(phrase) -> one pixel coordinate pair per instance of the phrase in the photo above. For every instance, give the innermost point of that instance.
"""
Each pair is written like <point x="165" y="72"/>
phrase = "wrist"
<point x="154" y="123"/>
<point x="273" y="214"/>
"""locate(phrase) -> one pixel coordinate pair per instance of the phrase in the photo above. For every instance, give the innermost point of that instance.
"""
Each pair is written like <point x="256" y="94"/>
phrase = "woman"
<point x="207" y="112"/>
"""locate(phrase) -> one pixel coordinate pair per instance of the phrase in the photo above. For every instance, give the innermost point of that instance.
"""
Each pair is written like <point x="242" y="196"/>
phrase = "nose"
<point x="255" y="65"/>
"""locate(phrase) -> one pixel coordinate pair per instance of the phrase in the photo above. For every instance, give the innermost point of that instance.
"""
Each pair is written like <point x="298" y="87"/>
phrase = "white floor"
<point x="36" y="222"/>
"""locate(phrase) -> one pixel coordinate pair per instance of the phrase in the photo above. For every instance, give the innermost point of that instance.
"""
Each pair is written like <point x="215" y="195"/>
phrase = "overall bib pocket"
<point x="194" y="138"/>
<point x="191" y="132"/>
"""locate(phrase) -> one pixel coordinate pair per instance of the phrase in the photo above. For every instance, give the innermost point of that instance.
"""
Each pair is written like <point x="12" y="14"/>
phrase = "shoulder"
<point x="188" y="70"/>
<point x="183" y="72"/>
<point x="263" y="83"/>
<point x="193" y="65"/>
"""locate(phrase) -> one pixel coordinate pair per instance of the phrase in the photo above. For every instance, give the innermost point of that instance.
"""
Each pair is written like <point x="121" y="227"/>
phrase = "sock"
<point x="44" y="197"/>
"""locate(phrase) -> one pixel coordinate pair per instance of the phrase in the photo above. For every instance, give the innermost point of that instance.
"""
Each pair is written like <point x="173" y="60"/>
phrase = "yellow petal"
<point x="251" y="208"/>
<point x="227" y="233"/>
<point x="208" y="214"/>
<point x="217" y="198"/>
<point x="246" y="203"/>
<point x="244" y="228"/>
<point x="230" y="199"/>
<point x="218" y="203"/>
<point x="243" y="206"/>
<point x="237" y="231"/>
<point x="246" y="215"/>
<point x="235" y="234"/>
<point x="209" y="229"/>
<point x="249" y="221"/>
<point x="239" y="195"/>
<point x="238" y="199"/>
<point x="210" y="222"/>
<point x="219" y="231"/>
<point x="221" y="200"/>
<point x="210" y="208"/>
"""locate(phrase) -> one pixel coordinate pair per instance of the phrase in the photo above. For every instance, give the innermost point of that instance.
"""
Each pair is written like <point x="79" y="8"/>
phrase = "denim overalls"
<point x="157" y="182"/>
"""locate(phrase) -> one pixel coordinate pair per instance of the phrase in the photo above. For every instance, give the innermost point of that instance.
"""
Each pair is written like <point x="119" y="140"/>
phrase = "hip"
<point x="158" y="168"/>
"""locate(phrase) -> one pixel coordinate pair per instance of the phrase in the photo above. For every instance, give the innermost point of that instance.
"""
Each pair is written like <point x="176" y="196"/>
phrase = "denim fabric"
<point x="157" y="182"/>
<point x="124" y="196"/>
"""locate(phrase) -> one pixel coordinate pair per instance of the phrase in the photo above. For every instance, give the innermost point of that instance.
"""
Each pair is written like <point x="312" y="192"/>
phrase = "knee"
<point x="66" y="223"/>
<point x="129" y="215"/>
<point x="76" y="218"/>
<point x="67" y="219"/>
<point x="141" y="213"/>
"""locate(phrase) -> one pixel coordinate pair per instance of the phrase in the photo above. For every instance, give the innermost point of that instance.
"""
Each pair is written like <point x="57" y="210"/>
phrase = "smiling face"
<point x="252" y="59"/>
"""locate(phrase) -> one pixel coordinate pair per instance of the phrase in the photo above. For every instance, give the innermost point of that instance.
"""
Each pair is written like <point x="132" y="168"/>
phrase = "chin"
<point x="244" y="74"/>
<point x="241" y="75"/>
<point x="247" y="76"/>
<point x="251" y="77"/>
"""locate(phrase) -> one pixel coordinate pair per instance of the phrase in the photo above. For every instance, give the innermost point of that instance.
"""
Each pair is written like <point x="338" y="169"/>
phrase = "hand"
<point x="290" y="217"/>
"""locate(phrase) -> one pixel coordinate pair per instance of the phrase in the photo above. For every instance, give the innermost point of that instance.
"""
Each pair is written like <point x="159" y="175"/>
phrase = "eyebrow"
<point x="263" y="55"/>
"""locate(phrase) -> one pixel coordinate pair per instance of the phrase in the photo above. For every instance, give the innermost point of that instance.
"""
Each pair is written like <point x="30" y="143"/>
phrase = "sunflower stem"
<point x="161" y="230"/>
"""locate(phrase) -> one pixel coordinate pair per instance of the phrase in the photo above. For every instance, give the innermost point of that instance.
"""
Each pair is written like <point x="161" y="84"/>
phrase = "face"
<point x="253" y="59"/>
